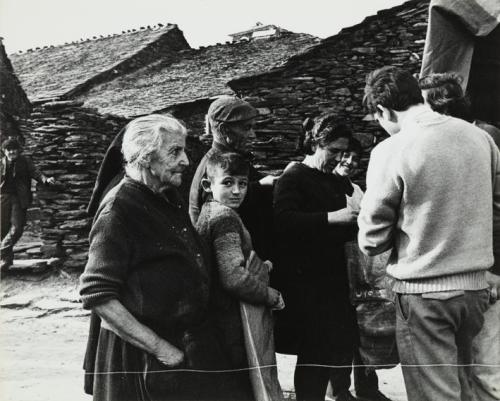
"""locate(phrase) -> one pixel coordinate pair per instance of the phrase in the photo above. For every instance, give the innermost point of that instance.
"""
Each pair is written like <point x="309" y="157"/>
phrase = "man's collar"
<point x="220" y="147"/>
<point x="414" y="114"/>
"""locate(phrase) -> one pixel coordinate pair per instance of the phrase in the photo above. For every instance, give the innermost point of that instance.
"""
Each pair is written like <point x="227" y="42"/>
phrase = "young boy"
<point x="221" y="228"/>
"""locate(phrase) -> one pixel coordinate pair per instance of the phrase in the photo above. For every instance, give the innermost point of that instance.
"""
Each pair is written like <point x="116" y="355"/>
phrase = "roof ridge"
<point x="284" y="35"/>
<point x="416" y="4"/>
<point x="157" y="27"/>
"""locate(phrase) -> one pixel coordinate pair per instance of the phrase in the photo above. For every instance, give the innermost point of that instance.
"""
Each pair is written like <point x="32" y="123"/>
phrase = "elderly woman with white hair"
<point x="147" y="279"/>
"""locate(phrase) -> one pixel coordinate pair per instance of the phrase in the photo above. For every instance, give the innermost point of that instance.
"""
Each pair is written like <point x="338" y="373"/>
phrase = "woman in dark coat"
<point x="312" y="225"/>
<point x="148" y="281"/>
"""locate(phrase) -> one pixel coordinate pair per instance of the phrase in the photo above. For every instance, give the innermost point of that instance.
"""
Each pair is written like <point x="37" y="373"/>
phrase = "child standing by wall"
<point x="221" y="228"/>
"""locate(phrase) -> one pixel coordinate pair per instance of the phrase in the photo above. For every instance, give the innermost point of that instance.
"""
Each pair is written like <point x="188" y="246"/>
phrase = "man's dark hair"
<point x="230" y="162"/>
<point x="445" y="95"/>
<point x="11" y="143"/>
<point x="391" y="87"/>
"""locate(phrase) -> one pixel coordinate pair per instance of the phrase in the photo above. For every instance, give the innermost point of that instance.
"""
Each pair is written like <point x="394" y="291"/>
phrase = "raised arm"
<point x="36" y="174"/>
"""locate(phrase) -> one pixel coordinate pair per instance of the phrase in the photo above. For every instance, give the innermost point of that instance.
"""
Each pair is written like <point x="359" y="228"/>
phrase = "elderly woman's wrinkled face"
<point x="170" y="160"/>
<point x="348" y="164"/>
<point x="329" y="156"/>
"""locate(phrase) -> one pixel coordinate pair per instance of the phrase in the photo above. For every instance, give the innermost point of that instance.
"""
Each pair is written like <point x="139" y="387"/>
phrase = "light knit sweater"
<point x="433" y="195"/>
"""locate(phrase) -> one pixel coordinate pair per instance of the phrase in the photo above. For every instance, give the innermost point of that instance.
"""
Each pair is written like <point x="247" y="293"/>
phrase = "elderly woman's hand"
<point x="345" y="216"/>
<point x="167" y="354"/>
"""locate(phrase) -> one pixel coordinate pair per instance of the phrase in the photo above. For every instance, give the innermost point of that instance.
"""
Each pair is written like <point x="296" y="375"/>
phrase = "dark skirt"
<point x="318" y="320"/>
<point x="123" y="372"/>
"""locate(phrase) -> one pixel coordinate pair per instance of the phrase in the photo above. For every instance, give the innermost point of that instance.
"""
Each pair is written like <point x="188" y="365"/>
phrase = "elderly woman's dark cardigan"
<point x="145" y="253"/>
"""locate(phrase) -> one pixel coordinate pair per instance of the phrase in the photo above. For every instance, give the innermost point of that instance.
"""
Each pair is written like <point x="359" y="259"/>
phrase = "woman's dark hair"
<point x="445" y="95"/>
<point x="322" y="131"/>
<point x="391" y="87"/>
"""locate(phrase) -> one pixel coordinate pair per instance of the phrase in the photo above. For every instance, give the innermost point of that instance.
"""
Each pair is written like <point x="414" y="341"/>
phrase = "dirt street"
<point x="43" y="336"/>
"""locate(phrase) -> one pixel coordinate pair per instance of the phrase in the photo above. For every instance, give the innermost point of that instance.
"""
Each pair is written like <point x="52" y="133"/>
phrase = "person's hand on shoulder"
<point x="268" y="180"/>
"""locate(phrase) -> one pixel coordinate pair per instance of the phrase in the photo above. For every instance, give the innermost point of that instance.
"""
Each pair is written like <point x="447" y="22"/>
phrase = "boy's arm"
<point x="231" y="265"/>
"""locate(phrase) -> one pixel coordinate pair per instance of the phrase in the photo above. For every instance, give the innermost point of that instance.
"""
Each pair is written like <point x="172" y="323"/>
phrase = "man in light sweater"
<point x="433" y="196"/>
<point x="443" y="93"/>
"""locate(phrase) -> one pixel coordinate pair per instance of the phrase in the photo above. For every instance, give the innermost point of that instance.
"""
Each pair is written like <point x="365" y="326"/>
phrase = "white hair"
<point x="144" y="136"/>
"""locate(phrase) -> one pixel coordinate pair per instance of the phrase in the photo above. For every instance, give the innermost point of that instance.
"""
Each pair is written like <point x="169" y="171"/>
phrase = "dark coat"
<point x="110" y="173"/>
<point x="310" y="264"/>
<point x="145" y="253"/>
<point x="24" y="171"/>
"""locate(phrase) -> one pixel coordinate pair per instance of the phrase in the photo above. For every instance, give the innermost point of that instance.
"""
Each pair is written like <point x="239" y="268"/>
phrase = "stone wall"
<point x="66" y="141"/>
<point x="331" y="78"/>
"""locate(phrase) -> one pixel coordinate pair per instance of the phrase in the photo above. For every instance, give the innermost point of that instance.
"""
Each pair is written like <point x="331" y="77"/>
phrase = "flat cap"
<point x="231" y="109"/>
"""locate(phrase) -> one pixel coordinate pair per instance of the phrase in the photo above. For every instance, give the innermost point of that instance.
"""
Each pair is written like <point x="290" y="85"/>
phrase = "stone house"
<point x="85" y="91"/>
<point x="330" y="77"/>
<point x="258" y="31"/>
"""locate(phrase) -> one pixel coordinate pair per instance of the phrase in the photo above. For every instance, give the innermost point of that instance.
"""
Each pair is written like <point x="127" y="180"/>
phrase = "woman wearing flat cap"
<point x="231" y="122"/>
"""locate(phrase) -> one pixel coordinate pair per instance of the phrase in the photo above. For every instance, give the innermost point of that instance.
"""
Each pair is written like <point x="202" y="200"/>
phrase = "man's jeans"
<point x="13" y="221"/>
<point x="434" y="338"/>
<point x="486" y="357"/>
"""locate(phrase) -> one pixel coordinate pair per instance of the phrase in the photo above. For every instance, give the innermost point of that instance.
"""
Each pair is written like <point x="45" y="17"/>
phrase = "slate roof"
<point x="13" y="99"/>
<point x="410" y="10"/>
<point x="193" y="74"/>
<point x="53" y="71"/>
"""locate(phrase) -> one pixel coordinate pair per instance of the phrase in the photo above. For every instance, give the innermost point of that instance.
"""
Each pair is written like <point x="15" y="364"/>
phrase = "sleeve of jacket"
<point x="108" y="262"/>
<point x="34" y="172"/>
<point x="231" y="263"/>
<point x="378" y="217"/>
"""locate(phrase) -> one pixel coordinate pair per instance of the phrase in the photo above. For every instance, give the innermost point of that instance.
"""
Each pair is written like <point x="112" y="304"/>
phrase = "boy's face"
<point x="230" y="190"/>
